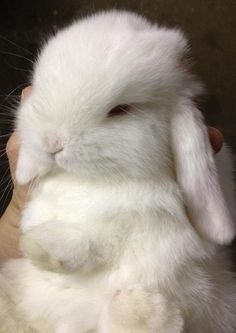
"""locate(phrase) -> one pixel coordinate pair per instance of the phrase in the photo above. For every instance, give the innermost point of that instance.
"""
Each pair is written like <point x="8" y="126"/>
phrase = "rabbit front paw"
<point x="55" y="247"/>
<point x="136" y="310"/>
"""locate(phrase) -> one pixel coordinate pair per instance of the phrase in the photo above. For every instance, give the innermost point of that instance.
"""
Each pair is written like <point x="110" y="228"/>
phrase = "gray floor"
<point x="209" y="24"/>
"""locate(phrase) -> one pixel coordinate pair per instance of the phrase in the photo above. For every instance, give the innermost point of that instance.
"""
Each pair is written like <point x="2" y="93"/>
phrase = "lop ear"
<point x="197" y="175"/>
<point x="26" y="168"/>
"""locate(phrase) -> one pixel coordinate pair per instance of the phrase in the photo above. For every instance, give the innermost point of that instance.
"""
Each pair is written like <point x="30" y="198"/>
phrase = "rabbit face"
<point x="100" y="99"/>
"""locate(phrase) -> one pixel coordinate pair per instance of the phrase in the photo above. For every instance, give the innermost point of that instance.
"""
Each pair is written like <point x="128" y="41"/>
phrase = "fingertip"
<point x="216" y="139"/>
<point x="12" y="149"/>
<point x="26" y="92"/>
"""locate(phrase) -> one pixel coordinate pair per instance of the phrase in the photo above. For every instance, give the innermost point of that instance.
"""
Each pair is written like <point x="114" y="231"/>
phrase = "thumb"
<point x="12" y="150"/>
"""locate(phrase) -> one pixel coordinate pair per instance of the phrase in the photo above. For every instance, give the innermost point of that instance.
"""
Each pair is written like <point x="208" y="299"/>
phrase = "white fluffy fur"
<point x="108" y="243"/>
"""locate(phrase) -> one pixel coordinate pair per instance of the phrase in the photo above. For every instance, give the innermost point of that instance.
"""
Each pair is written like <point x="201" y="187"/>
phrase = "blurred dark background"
<point x="209" y="24"/>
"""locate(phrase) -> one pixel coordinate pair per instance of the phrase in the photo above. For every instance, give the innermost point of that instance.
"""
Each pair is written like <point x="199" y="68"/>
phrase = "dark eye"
<point x="119" y="110"/>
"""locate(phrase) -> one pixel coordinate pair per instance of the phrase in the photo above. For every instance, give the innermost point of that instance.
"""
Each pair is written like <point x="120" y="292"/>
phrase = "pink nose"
<point x="53" y="144"/>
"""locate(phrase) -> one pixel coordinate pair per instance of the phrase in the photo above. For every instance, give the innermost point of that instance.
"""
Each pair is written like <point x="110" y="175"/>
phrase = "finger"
<point x="216" y="139"/>
<point x="12" y="150"/>
<point x="26" y="92"/>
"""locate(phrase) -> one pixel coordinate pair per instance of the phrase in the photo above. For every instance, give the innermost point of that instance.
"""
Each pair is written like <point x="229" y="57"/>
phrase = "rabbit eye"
<point x="119" y="110"/>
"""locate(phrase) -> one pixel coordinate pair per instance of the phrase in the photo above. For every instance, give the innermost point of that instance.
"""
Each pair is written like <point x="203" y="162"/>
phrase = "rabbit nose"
<point x="53" y="144"/>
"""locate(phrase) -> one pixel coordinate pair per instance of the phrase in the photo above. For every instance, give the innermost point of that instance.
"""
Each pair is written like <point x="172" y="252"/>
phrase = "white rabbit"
<point x="123" y="231"/>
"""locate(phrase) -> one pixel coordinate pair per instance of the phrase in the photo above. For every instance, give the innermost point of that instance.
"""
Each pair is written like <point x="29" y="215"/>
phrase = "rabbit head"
<point x="94" y="86"/>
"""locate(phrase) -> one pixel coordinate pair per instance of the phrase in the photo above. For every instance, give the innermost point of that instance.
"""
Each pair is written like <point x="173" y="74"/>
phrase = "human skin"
<point x="10" y="221"/>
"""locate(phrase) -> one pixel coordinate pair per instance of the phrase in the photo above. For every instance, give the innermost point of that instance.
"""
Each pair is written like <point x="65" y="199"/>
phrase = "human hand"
<point x="9" y="223"/>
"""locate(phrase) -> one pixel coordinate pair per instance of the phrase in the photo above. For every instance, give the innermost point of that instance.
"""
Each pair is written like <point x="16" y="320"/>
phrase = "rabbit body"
<point x="137" y="259"/>
<point x="109" y="246"/>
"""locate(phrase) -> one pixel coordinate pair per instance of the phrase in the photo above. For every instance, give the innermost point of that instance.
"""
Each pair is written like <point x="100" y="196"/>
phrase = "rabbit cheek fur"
<point x="119" y="235"/>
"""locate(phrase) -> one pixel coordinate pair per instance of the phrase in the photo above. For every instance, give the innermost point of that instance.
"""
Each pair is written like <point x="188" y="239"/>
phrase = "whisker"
<point x="18" y="68"/>
<point x="4" y="153"/>
<point x="7" y="188"/>
<point x="5" y="135"/>
<point x="7" y="124"/>
<point x="9" y="192"/>
<point x="4" y="164"/>
<point x="19" y="46"/>
<point x="4" y="95"/>
<point x="5" y="120"/>
<point x="11" y="103"/>
<point x="4" y="149"/>
<point x="5" y="179"/>
<point x="8" y="112"/>
<point x="19" y="86"/>
<point x="7" y="116"/>
<point x="17" y="55"/>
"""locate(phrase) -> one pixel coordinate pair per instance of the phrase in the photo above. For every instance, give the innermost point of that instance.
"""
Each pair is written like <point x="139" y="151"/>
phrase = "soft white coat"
<point x="126" y="227"/>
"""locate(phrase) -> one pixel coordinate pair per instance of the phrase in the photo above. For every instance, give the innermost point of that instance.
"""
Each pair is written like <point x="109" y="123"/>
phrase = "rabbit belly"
<point x="33" y="300"/>
<point x="156" y="267"/>
<point x="41" y="301"/>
